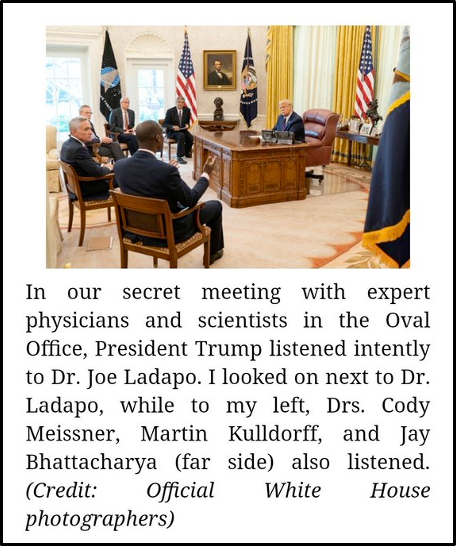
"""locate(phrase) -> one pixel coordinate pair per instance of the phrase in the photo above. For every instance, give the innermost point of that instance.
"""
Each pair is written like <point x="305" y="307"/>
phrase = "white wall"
<point x="200" y="38"/>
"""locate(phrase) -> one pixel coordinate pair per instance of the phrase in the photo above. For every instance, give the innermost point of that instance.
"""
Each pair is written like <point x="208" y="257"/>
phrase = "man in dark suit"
<point x="145" y="175"/>
<point x="122" y="121"/>
<point x="176" y="123"/>
<point x="74" y="152"/>
<point x="290" y="121"/>
<point x="108" y="148"/>
<point x="217" y="77"/>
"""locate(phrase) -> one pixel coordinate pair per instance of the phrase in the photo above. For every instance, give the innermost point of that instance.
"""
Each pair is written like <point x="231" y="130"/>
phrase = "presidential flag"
<point x="110" y="91"/>
<point x="185" y="81"/>
<point x="387" y="229"/>
<point x="249" y="97"/>
<point x="365" y="81"/>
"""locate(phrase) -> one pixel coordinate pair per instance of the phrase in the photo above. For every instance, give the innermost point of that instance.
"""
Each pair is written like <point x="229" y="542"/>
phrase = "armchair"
<point x="320" y="128"/>
<point x="75" y="198"/>
<point x="115" y="138"/>
<point x="168" y="141"/>
<point x="52" y="160"/>
<point x="153" y="218"/>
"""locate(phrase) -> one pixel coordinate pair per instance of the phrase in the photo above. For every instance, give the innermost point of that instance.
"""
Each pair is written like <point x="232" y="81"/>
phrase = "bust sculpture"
<point x="218" y="112"/>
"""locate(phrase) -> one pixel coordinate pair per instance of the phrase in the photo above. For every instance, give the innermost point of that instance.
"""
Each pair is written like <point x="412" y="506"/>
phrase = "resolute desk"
<point x="249" y="172"/>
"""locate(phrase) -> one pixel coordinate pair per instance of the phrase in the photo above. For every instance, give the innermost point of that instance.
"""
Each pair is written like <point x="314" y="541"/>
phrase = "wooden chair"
<point x="115" y="138"/>
<point x="153" y="218"/>
<point x="96" y="156"/>
<point x="168" y="141"/>
<point x="75" y="199"/>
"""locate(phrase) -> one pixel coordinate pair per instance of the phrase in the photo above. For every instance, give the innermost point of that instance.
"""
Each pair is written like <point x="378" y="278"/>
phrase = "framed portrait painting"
<point x="219" y="70"/>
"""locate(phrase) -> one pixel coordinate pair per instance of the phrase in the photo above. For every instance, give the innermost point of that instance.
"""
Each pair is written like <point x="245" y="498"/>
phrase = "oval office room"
<point x="295" y="182"/>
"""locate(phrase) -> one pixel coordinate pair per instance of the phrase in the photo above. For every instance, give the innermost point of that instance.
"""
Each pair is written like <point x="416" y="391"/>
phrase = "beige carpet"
<point x="298" y="234"/>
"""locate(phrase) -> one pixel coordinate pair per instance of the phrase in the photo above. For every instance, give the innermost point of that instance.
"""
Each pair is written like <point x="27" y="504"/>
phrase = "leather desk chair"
<point x="320" y="127"/>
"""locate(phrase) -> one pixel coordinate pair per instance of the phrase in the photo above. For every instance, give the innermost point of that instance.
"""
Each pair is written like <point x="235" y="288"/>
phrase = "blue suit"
<point x="295" y="125"/>
<point x="76" y="154"/>
<point x="144" y="175"/>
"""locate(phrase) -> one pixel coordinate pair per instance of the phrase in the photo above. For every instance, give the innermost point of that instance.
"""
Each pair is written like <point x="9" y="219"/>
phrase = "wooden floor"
<point x="312" y="233"/>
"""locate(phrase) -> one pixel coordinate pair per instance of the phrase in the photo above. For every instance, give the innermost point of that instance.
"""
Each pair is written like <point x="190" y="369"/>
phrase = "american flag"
<point x="366" y="73"/>
<point x="185" y="82"/>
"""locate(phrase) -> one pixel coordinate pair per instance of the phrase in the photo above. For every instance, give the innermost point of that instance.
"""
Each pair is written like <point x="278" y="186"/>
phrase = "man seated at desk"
<point x="290" y="121"/>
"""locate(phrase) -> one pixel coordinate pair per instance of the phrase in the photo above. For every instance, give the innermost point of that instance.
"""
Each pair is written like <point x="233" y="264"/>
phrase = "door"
<point x="152" y="87"/>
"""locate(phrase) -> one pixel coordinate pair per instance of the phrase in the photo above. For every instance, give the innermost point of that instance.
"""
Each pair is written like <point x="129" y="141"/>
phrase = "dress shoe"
<point x="216" y="256"/>
<point x="181" y="160"/>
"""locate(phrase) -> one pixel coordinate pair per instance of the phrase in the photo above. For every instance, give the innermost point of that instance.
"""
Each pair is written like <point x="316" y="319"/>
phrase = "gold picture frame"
<point x="219" y="70"/>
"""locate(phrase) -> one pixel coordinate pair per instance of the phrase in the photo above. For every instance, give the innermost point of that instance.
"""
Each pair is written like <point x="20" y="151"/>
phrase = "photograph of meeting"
<point x="228" y="147"/>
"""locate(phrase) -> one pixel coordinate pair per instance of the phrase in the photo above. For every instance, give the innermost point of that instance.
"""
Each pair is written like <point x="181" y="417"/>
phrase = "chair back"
<point x="71" y="180"/>
<point x="153" y="218"/>
<point x="115" y="138"/>
<point x="320" y="127"/>
<point x="143" y="216"/>
<point x="166" y="139"/>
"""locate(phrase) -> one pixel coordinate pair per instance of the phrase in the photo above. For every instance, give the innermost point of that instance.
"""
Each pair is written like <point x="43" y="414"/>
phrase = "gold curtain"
<point x="279" y="67"/>
<point x="349" y="46"/>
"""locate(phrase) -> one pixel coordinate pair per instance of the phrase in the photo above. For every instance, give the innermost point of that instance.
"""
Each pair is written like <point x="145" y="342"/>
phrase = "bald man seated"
<point x="145" y="175"/>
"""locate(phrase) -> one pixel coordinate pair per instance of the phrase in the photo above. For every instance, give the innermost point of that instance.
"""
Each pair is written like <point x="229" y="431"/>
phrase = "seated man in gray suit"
<point x="74" y="152"/>
<point x="145" y="175"/>
<point x="122" y="121"/>
<point x="108" y="148"/>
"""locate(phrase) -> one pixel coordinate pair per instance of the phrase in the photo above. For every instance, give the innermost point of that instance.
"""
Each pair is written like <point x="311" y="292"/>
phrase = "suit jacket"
<point x="116" y="120"/>
<point x="96" y="138"/>
<point x="77" y="155"/>
<point x="172" y="118"/>
<point x="295" y="125"/>
<point x="144" y="175"/>
<point x="214" y="79"/>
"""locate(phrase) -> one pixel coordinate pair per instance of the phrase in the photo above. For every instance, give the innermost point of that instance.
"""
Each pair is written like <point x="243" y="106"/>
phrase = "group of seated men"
<point x="143" y="174"/>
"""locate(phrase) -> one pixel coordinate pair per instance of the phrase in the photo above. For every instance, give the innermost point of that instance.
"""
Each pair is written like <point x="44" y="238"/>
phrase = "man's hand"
<point x="176" y="128"/>
<point x="106" y="140"/>
<point x="209" y="165"/>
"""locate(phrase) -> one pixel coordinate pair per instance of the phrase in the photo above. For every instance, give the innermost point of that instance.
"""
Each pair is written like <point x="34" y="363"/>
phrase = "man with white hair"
<point x="122" y="121"/>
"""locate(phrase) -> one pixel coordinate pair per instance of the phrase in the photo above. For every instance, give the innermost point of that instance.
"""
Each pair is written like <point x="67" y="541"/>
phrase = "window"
<point x="65" y="87"/>
<point x="152" y="86"/>
<point x="151" y="93"/>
